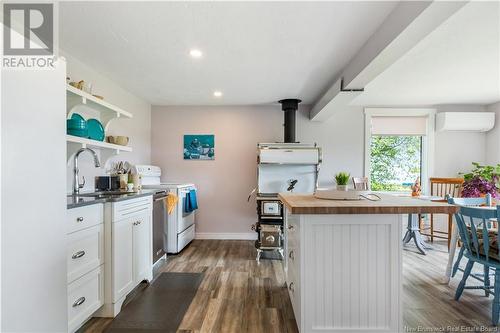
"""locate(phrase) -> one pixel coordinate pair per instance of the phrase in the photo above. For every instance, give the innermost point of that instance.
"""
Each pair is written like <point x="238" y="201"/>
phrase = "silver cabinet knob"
<point x="79" y="302"/>
<point x="291" y="255"/>
<point x="291" y="287"/>
<point x="78" y="254"/>
<point x="79" y="219"/>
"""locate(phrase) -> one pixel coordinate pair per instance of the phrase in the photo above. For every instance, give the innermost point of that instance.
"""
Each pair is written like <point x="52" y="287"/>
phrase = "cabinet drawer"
<point x="293" y="222"/>
<point x="293" y="257"/>
<point x="83" y="217"/>
<point x="84" y="251"/>
<point x="293" y="285"/>
<point x="131" y="207"/>
<point x="185" y="237"/>
<point x="85" y="296"/>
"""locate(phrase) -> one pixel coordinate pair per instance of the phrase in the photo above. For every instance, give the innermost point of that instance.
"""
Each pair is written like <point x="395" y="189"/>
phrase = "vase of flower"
<point x="482" y="180"/>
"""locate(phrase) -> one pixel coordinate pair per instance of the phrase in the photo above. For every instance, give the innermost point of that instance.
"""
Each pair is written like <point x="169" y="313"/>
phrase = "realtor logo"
<point x="28" y="35"/>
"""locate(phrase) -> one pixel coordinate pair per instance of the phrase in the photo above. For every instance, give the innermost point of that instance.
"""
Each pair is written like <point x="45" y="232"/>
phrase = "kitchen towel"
<point x="190" y="203"/>
<point x="171" y="201"/>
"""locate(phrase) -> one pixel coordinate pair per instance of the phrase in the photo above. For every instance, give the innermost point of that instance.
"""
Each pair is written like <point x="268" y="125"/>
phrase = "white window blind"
<point x="386" y="125"/>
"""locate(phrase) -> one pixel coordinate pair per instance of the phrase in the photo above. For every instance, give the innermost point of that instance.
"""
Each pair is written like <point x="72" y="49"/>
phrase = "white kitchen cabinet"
<point x="84" y="261"/>
<point x="132" y="246"/>
<point x="141" y="248"/>
<point x="123" y="273"/>
<point x="85" y="296"/>
<point x="84" y="251"/>
<point x="128" y="250"/>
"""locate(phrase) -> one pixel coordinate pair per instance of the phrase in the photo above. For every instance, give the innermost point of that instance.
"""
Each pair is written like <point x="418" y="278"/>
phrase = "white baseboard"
<point x="227" y="235"/>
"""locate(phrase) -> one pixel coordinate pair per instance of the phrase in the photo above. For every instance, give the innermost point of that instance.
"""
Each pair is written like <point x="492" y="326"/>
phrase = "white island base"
<point x="343" y="272"/>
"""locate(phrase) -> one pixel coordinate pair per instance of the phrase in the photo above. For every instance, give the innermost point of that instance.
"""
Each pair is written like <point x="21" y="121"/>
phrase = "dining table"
<point x="413" y="225"/>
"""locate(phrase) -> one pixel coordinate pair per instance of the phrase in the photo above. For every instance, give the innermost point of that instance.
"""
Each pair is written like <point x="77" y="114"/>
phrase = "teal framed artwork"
<point x="199" y="147"/>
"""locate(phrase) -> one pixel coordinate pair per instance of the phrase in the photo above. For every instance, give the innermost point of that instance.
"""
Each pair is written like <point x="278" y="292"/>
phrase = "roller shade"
<point x="399" y="126"/>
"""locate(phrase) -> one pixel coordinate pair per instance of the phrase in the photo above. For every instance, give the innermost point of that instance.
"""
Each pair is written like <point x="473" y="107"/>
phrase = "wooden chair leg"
<point x="450" y="226"/>
<point x="432" y="228"/>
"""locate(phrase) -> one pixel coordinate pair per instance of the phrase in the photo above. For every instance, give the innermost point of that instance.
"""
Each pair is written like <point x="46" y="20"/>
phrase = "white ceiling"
<point x="254" y="52"/>
<point x="458" y="63"/>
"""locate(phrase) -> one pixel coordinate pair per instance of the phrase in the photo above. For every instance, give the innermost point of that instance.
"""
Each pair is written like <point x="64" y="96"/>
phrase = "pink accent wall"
<point x="224" y="183"/>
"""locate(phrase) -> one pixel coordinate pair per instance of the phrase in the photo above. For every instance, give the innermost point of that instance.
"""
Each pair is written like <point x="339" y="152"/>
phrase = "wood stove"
<point x="281" y="167"/>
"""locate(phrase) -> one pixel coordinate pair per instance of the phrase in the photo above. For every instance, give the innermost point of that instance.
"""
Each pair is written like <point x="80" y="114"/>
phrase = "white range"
<point x="180" y="225"/>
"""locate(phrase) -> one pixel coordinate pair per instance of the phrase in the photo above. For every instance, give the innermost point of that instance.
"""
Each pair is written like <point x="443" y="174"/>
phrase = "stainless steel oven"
<point x="159" y="225"/>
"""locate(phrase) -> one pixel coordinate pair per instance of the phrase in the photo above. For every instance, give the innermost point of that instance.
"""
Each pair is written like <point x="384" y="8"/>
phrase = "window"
<point x="395" y="162"/>
<point x="398" y="148"/>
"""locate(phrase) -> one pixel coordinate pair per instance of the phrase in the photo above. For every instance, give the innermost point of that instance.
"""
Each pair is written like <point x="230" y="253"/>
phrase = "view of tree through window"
<point x="395" y="162"/>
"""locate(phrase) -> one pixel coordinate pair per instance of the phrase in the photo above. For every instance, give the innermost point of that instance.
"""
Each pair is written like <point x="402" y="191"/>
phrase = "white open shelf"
<point x="107" y="111"/>
<point x="84" y="142"/>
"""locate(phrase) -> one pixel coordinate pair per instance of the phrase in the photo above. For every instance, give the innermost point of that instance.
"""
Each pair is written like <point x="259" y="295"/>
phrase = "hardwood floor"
<point x="430" y="304"/>
<point x="238" y="295"/>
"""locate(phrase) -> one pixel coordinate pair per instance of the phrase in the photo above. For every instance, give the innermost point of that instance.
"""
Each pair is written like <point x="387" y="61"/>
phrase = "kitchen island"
<point x="343" y="261"/>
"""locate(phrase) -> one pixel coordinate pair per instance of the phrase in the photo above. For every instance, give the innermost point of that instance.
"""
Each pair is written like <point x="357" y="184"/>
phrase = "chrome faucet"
<point x="76" y="182"/>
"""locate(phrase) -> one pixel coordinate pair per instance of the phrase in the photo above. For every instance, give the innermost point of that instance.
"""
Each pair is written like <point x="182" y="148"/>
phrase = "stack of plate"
<point x="91" y="129"/>
<point x="77" y="126"/>
<point x="96" y="131"/>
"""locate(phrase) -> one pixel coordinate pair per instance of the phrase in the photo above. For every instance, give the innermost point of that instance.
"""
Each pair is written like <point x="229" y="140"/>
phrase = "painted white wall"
<point x="493" y="137"/>
<point x="341" y="139"/>
<point x="138" y="129"/>
<point x="455" y="151"/>
<point x="224" y="183"/>
<point x="33" y="201"/>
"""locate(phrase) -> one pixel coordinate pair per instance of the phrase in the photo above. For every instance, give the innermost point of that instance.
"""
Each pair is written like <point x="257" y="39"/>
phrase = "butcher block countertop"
<point x="390" y="204"/>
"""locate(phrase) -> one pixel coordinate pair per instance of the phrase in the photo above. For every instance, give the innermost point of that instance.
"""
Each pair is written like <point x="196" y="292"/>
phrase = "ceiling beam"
<point x="405" y="27"/>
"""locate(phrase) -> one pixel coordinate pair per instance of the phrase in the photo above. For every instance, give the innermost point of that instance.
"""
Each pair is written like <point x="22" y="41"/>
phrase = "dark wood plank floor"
<point x="238" y="295"/>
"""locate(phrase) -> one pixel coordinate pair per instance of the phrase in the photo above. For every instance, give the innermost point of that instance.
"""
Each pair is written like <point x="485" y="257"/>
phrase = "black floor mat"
<point x="161" y="307"/>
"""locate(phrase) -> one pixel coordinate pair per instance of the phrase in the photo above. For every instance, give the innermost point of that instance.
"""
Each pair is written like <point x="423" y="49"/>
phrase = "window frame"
<point x="427" y="159"/>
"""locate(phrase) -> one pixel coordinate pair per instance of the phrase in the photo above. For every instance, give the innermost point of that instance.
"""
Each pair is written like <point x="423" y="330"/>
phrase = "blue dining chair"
<point x="467" y="202"/>
<point x="482" y="246"/>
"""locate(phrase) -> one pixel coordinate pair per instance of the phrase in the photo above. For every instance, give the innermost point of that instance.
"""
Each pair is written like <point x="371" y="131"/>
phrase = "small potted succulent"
<point x="482" y="180"/>
<point x="342" y="179"/>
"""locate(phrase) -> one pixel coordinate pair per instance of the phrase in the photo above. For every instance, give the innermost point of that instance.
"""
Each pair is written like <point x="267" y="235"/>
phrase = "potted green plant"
<point x="342" y="179"/>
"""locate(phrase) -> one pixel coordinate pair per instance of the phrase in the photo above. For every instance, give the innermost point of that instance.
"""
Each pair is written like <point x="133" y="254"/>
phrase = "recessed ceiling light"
<point x="195" y="53"/>
<point x="218" y="93"/>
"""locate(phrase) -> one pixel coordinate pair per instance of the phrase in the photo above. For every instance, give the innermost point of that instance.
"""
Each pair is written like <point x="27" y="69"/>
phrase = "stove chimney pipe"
<point x="290" y="106"/>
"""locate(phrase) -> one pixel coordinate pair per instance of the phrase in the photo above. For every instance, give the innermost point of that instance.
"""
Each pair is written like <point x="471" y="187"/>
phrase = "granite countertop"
<point x="389" y="204"/>
<point x="74" y="201"/>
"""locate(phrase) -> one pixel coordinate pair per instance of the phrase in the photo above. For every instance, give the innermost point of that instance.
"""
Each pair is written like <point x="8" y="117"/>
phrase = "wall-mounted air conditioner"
<point x="465" y="121"/>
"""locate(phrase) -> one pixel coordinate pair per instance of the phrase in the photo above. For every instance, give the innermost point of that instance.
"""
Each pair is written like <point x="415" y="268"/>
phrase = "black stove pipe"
<point x="290" y="106"/>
